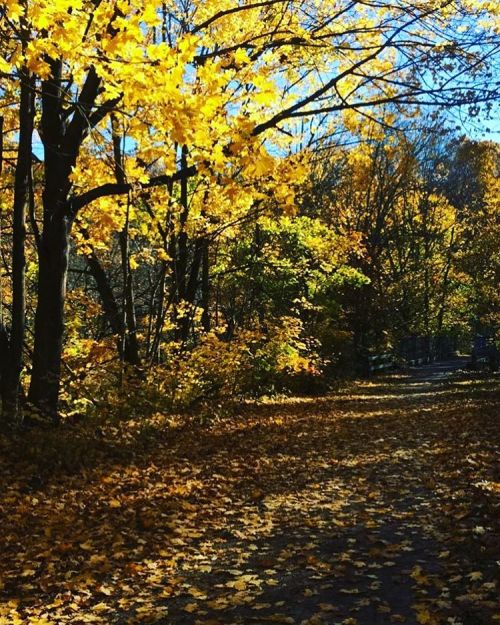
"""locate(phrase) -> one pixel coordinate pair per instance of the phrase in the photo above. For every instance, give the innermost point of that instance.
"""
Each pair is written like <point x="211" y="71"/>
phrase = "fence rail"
<point x="380" y="362"/>
<point x="411" y="351"/>
<point x="420" y="350"/>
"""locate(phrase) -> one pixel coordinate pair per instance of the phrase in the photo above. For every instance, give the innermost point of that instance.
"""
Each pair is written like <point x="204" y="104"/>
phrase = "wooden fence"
<point x="411" y="351"/>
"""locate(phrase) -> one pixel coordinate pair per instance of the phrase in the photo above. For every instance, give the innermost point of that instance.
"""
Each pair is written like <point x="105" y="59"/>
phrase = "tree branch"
<point x="113" y="188"/>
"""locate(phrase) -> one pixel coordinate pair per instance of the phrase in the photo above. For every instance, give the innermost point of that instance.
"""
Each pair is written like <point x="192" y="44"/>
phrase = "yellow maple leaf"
<point x="419" y="577"/>
<point x="424" y="617"/>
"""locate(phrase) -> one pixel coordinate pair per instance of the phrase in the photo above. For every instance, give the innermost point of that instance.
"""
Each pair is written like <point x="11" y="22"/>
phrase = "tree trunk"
<point x="191" y="289"/>
<point x="49" y="318"/>
<point x="110" y="306"/>
<point x="62" y="136"/>
<point x="12" y="382"/>
<point x="445" y="284"/>
<point x="160" y="316"/>
<point x="205" y="286"/>
<point x="182" y="243"/>
<point x="130" y="344"/>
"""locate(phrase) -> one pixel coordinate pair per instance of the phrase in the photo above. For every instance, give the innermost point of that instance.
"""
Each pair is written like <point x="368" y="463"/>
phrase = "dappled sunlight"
<point x="332" y="504"/>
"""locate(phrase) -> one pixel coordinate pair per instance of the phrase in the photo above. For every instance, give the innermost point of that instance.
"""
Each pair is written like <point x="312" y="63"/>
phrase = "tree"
<point x="389" y="190"/>
<point x="472" y="185"/>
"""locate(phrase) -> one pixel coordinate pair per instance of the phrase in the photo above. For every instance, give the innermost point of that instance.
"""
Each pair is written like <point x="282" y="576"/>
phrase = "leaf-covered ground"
<point x="375" y="505"/>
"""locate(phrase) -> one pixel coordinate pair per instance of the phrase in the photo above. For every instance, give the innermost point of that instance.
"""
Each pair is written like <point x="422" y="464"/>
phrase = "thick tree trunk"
<point x="62" y="136"/>
<point x="12" y="379"/>
<point x="49" y="318"/>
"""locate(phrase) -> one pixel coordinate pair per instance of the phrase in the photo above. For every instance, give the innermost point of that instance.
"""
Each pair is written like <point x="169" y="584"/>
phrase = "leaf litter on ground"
<point x="377" y="504"/>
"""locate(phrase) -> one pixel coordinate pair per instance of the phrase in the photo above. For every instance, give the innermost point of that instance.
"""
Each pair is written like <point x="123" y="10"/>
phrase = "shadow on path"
<point x="372" y="506"/>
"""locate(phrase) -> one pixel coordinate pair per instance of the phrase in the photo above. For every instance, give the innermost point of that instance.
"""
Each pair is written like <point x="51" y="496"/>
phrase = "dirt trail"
<point x="438" y="372"/>
<point x="372" y="506"/>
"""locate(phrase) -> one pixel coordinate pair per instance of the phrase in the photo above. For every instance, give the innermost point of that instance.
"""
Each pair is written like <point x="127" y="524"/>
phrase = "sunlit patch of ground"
<point x="377" y="504"/>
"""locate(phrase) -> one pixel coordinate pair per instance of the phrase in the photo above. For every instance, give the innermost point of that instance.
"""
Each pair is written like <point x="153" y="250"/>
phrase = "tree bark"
<point x="12" y="379"/>
<point x="49" y="317"/>
<point x="62" y="141"/>
<point x="205" y="286"/>
<point x="130" y="344"/>
<point x="182" y="242"/>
